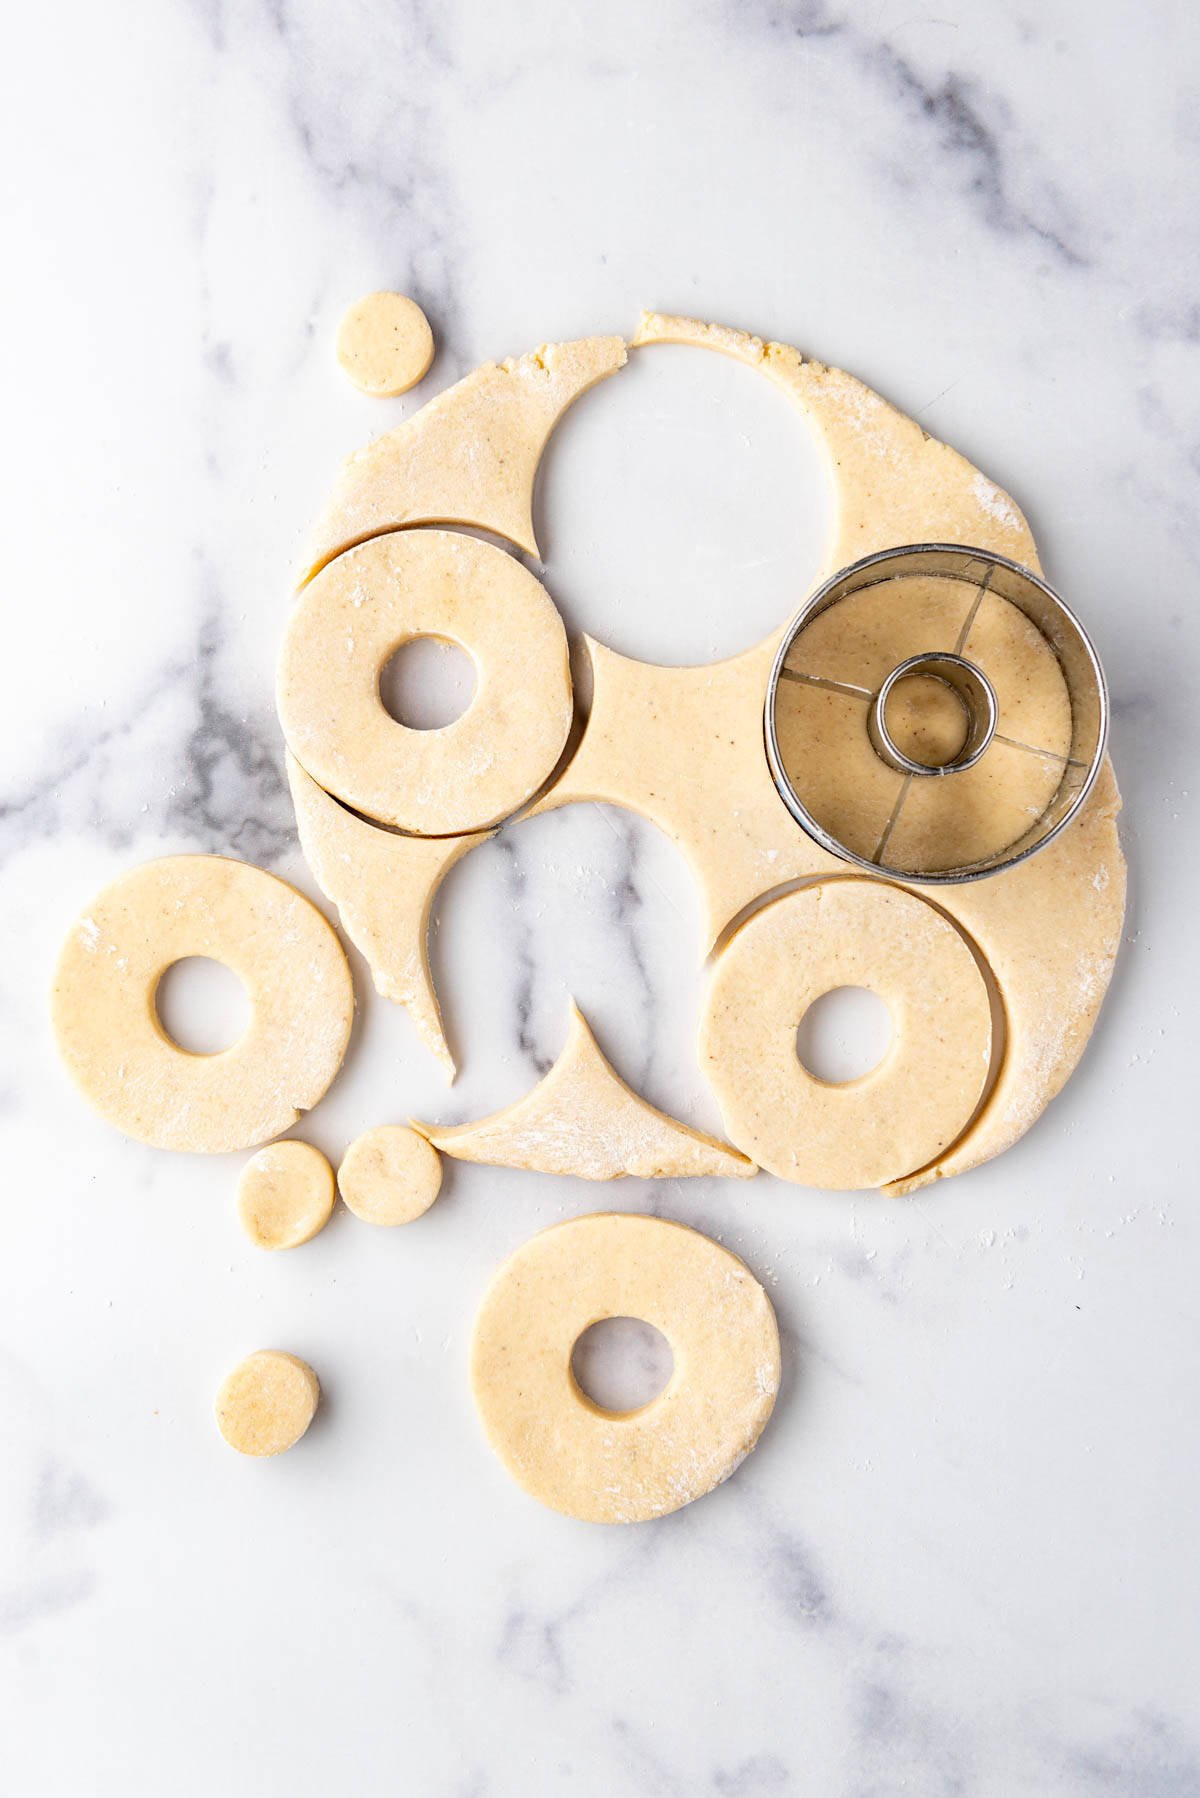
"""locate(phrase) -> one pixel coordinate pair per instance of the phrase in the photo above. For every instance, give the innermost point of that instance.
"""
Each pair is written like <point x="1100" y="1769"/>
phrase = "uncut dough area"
<point x="958" y="1559"/>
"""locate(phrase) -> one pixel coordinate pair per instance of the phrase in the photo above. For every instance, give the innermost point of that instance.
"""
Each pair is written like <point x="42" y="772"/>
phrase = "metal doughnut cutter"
<point x="950" y="763"/>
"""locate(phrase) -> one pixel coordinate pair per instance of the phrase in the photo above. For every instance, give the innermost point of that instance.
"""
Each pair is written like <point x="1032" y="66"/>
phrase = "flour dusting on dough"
<point x="995" y="502"/>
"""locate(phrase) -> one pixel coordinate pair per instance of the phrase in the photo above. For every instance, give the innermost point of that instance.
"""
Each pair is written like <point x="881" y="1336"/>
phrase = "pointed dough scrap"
<point x="468" y="457"/>
<point x="683" y="747"/>
<point x="582" y="1119"/>
<point x="383" y="885"/>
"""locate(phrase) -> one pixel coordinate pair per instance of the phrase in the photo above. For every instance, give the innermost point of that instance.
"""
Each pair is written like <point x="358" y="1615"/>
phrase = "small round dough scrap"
<point x="267" y="1402"/>
<point x="353" y="617"/>
<point x="285" y="1195"/>
<point x="384" y="344"/>
<point x="390" y="1175"/>
<point x="923" y="1094"/>
<point x="287" y="956"/>
<point x="604" y="1466"/>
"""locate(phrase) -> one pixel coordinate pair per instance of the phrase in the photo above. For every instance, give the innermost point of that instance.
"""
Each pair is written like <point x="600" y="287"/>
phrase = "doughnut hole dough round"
<point x="267" y="1402"/>
<point x="352" y="618"/>
<point x="288" y="958"/>
<point x="285" y="1195"/>
<point x="384" y="344"/>
<point x="390" y="1175"/>
<point x="923" y="1094"/>
<point x="608" y="1467"/>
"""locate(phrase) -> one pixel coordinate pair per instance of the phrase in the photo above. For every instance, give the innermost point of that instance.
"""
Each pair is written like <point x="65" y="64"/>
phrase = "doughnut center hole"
<point x="202" y="1005"/>
<point x="622" y="1364"/>
<point x="927" y="720"/>
<point x="427" y="683"/>
<point x="844" y="1035"/>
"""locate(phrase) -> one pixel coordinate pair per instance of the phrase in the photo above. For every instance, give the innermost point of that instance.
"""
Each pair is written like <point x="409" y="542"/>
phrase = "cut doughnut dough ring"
<point x="383" y="885"/>
<point x="286" y="954"/>
<point x="905" y="1112"/>
<point x="601" y="1466"/>
<point x="346" y="625"/>
<point x="468" y="457"/>
<point x="583" y="1119"/>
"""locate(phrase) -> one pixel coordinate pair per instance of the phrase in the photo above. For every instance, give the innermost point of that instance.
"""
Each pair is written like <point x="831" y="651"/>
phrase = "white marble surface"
<point x="963" y="1559"/>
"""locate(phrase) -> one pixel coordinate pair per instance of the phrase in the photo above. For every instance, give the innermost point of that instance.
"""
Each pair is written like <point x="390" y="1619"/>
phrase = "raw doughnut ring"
<point x="604" y="1466"/>
<point x="865" y="1132"/>
<point x="108" y="1028"/>
<point x="357" y="613"/>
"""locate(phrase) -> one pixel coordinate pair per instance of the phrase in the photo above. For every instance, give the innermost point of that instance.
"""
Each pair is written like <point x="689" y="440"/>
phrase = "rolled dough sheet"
<point x="383" y="885"/>
<point x="1049" y="930"/>
<point x="683" y="747"/>
<point x="468" y="457"/>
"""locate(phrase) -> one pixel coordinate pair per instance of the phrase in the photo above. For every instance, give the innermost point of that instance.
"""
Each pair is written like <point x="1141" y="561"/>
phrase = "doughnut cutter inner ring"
<point x="1057" y="625"/>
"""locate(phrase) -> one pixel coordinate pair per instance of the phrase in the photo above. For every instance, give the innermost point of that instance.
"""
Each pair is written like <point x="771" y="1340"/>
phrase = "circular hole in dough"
<point x="591" y="1462"/>
<point x="622" y="1364"/>
<point x="844" y="1035"/>
<point x="887" y="1124"/>
<point x="347" y="625"/>
<point x="202" y="1005"/>
<point x="384" y="343"/>
<point x="427" y="683"/>
<point x="390" y="1175"/>
<point x="707" y="470"/>
<point x="265" y="1405"/>
<point x="277" y="943"/>
<point x="285" y="1195"/>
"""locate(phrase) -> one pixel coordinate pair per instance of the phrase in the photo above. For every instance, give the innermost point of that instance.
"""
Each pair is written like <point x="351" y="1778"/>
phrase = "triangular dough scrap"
<point x="469" y="457"/>
<point x="383" y="886"/>
<point x="582" y="1119"/>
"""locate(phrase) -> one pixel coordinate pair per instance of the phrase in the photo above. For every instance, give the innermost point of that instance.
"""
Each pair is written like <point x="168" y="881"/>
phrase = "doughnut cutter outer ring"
<point x="1051" y="615"/>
